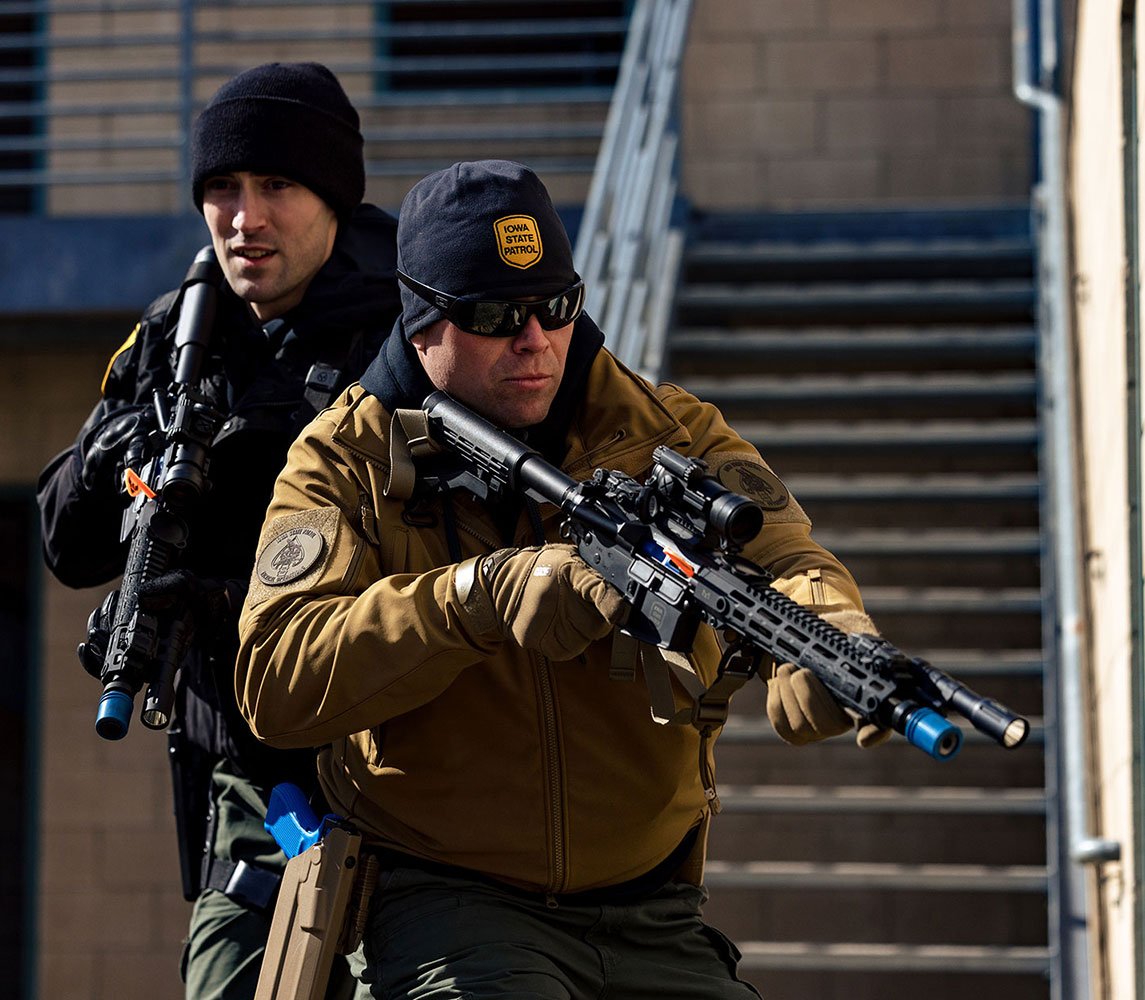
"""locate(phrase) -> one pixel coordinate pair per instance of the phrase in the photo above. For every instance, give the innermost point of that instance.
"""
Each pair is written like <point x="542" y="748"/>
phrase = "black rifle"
<point x="143" y="650"/>
<point x="671" y="544"/>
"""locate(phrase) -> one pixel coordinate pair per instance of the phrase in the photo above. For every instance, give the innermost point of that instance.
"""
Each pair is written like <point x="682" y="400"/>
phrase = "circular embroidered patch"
<point x="752" y="480"/>
<point x="289" y="556"/>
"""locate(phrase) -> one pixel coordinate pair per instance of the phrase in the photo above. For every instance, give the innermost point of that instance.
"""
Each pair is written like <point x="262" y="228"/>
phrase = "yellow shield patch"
<point x="519" y="240"/>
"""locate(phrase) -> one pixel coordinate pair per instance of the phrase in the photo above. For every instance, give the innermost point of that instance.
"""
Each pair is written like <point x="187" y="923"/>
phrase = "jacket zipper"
<point x="368" y="519"/>
<point x="553" y="760"/>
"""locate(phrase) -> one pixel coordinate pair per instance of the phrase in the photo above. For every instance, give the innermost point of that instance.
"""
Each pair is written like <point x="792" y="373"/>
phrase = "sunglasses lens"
<point x="488" y="319"/>
<point x="563" y="309"/>
<point x="508" y="319"/>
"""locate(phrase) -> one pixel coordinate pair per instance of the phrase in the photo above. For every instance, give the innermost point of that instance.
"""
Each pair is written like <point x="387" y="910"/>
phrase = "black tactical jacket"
<point x="258" y="378"/>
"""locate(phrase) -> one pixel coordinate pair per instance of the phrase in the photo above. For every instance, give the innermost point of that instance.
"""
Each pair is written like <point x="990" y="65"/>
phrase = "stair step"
<point x="823" y="346"/>
<point x="939" y="541"/>
<point x="992" y="435"/>
<point x="894" y="958"/>
<point x="881" y="799"/>
<point x="952" y="600"/>
<point x="928" y="489"/>
<point x="874" y="876"/>
<point x="1001" y="301"/>
<point x="764" y="391"/>
<point x="782" y="261"/>
<point x="985" y="662"/>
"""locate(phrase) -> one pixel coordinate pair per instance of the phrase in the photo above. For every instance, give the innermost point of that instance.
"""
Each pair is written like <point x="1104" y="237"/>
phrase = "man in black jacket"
<point x="310" y="293"/>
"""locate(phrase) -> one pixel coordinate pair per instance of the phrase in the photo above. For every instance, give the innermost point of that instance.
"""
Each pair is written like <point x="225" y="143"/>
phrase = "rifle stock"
<point x="671" y="544"/>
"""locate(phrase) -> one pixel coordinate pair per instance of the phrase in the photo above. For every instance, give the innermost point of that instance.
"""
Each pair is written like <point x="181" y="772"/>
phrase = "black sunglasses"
<point x="490" y="318"/>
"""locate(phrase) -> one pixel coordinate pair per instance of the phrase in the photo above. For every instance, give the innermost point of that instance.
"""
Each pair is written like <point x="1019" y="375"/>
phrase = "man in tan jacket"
<point x="539" y="833"/>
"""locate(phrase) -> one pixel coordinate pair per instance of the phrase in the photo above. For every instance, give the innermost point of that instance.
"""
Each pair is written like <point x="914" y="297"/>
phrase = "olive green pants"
<point x="437" y="936"/>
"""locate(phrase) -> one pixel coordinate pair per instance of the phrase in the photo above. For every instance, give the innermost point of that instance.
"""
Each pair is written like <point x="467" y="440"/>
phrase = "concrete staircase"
<point x="883" y="364"/>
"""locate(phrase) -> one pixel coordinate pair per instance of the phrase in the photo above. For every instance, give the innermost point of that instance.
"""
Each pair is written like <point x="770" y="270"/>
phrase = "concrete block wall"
<point x="110" y="915"/>
<point x="841" y="103"/>
<point x="386" y="187"/>
<point x="111" y="27"/>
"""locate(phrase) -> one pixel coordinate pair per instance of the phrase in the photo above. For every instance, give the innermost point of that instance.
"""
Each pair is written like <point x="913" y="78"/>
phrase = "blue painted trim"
<point x="87" y="265"/>
<point x="60" y="267"/>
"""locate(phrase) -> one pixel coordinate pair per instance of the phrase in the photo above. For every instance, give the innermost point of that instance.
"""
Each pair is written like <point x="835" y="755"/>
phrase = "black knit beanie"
<point x="292" y="119"/>
<point x="486" y="228"/>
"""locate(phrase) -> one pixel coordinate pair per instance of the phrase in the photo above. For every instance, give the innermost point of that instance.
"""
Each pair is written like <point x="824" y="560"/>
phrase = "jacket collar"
<point x="619" y="422"/>
<point x="616" y="418"/>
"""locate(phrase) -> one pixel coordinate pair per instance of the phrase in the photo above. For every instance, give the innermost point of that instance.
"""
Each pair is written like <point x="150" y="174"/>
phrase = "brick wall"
<point x="851" y="102"/>
<point x="111" y="916"/>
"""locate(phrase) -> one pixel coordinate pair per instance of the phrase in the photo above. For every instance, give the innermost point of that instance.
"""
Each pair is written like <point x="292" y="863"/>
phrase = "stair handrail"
<point x="630" y="242"/>
<point x="1037" y="84"/>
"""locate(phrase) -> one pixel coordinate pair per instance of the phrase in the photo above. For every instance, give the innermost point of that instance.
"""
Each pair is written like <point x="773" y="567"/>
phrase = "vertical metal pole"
<point x="1131" y="166"/>
<point x="1070" y="846"/>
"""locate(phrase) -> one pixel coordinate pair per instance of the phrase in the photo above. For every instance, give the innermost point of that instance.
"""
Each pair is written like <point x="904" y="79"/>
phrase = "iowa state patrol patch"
<point x="289" y="555"/>
<point x="519" y="240"/>
<point x="751" y="479"/>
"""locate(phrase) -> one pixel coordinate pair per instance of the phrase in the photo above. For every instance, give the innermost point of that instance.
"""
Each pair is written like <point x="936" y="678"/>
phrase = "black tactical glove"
<point x="209" y="608"/>
<point x="104" y="446"/>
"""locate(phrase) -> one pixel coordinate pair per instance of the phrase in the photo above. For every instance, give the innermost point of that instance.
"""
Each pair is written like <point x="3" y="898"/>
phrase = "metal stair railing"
<point x="629" y="248"/>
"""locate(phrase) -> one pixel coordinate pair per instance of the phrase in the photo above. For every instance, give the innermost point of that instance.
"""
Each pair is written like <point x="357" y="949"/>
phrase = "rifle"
<point x="141" y="650"/>
<point x="670" y="545"/>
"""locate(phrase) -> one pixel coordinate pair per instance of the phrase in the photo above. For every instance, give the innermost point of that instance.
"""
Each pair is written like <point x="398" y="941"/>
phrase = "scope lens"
<point x="736" y="518"/>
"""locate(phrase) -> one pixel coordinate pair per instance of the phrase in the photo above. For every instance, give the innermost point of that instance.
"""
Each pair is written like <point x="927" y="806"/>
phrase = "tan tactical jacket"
<point x="463" y="748"/>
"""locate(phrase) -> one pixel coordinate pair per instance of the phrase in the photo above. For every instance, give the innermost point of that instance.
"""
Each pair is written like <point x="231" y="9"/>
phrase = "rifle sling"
<point x="409" y="439"/>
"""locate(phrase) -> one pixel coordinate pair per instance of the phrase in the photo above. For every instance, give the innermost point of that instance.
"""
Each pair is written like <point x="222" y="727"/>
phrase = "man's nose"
<point x="532" y="337"/>
<point x="250" y="213"/>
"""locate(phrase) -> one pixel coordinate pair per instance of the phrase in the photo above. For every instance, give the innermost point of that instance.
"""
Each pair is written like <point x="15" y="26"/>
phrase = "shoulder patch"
<point x="293" y="553"/>
<point x="754" y="480"/>
<point x="125" y="346"/>
<point x="289" y="555"/>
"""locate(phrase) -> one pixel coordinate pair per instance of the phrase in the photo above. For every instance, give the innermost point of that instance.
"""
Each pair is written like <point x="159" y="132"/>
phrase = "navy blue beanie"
<point x="486" y="228"/>
<point x="290" y="119"/>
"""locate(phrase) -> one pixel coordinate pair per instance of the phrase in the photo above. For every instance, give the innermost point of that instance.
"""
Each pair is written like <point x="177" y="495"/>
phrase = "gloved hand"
<point x="803" y="711"/>
<point x="209" y="608"/>
<point x="104" y="446"/>
<point x="545" y="598"/>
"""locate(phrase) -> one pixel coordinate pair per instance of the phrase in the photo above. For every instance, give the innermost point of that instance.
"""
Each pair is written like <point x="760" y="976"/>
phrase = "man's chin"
<point x="516" y="418"/>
